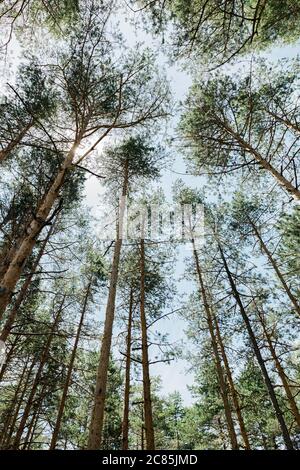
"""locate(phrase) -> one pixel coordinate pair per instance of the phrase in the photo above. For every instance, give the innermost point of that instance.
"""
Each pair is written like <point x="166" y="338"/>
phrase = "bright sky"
<point x="174" y="376"/>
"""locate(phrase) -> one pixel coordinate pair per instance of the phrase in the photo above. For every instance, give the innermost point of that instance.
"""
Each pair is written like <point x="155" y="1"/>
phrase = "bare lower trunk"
<point x="96" y="426"/>
<point x="149" y="430"/>
<point x="221" y="379"/>
<point x="125" y="424"/>
<point x="62" y="405"/>
<point x="233" y="391"/>
<point x="270" y="388"/>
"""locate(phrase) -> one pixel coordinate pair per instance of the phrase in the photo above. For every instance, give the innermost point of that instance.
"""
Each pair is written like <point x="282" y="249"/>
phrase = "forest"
<point x="149" y="225"/>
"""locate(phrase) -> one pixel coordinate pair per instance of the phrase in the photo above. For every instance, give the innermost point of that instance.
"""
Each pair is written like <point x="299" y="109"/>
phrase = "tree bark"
<point x="125" y="424"/>
<point x="233" y="391"/>
<point x="149" y="430"/>
<point x="96" y="426"/>
<point x="62" y="405"/>
<point x="270" y="388"/>
<point x="222" y="383"/>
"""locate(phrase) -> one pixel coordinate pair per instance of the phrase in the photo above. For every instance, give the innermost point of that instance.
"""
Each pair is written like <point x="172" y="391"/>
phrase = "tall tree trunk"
<point x="275" y="267"/>
<point x="62" y="405"/>
<point x="125" y="424"/>
<point x="270" y="388"/>
<point x="262" y="161"/>
<point x="221" y="379"/>
<point x="96" y="426"/>
<point x="22" y="294"/>
<point x="37" y="378"/>
<point x="149" y="430"/>
<point x="233" y="391"/>
<point x="25" y="248"/>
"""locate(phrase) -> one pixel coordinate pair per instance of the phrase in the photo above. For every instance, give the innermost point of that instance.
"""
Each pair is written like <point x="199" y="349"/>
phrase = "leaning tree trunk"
<point x="233" y="391"/>
<point x="221" y="379"/>
<point x="125" y="424"/>
<point x="96" y="426"/>
<point x="62" y="405"/>
<point x="38" y="222"/>
<point x="149" y="430"/>
<point x="275" y="267"/>
<point x="270" y="388"/>
<point x="22" y="294"/>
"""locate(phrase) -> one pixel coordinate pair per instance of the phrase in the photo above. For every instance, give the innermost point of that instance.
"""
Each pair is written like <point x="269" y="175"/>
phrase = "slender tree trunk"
<point x="62" y="405"/>
<point x="222" y="383"/>
<point x="125" y="424"/>
<point x="281" y="373"/>
<point x="22" y="294"/>
<point x="12" y="424"/>
<point x="270" y="388"/>
<point x="234" y="393"/>
<point x="96" y="426"/>
<point x="262" y="161"/>
<point x="149" y="430"/>
<point x="6" y="420"/>
<point x="15" y="142"/>
<point x="36" y="381"/>
<point x="275" y="267"/>
<point x="31" y="437"/>
<point x="25" y="248"/>
<point x="35" y="417"/>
